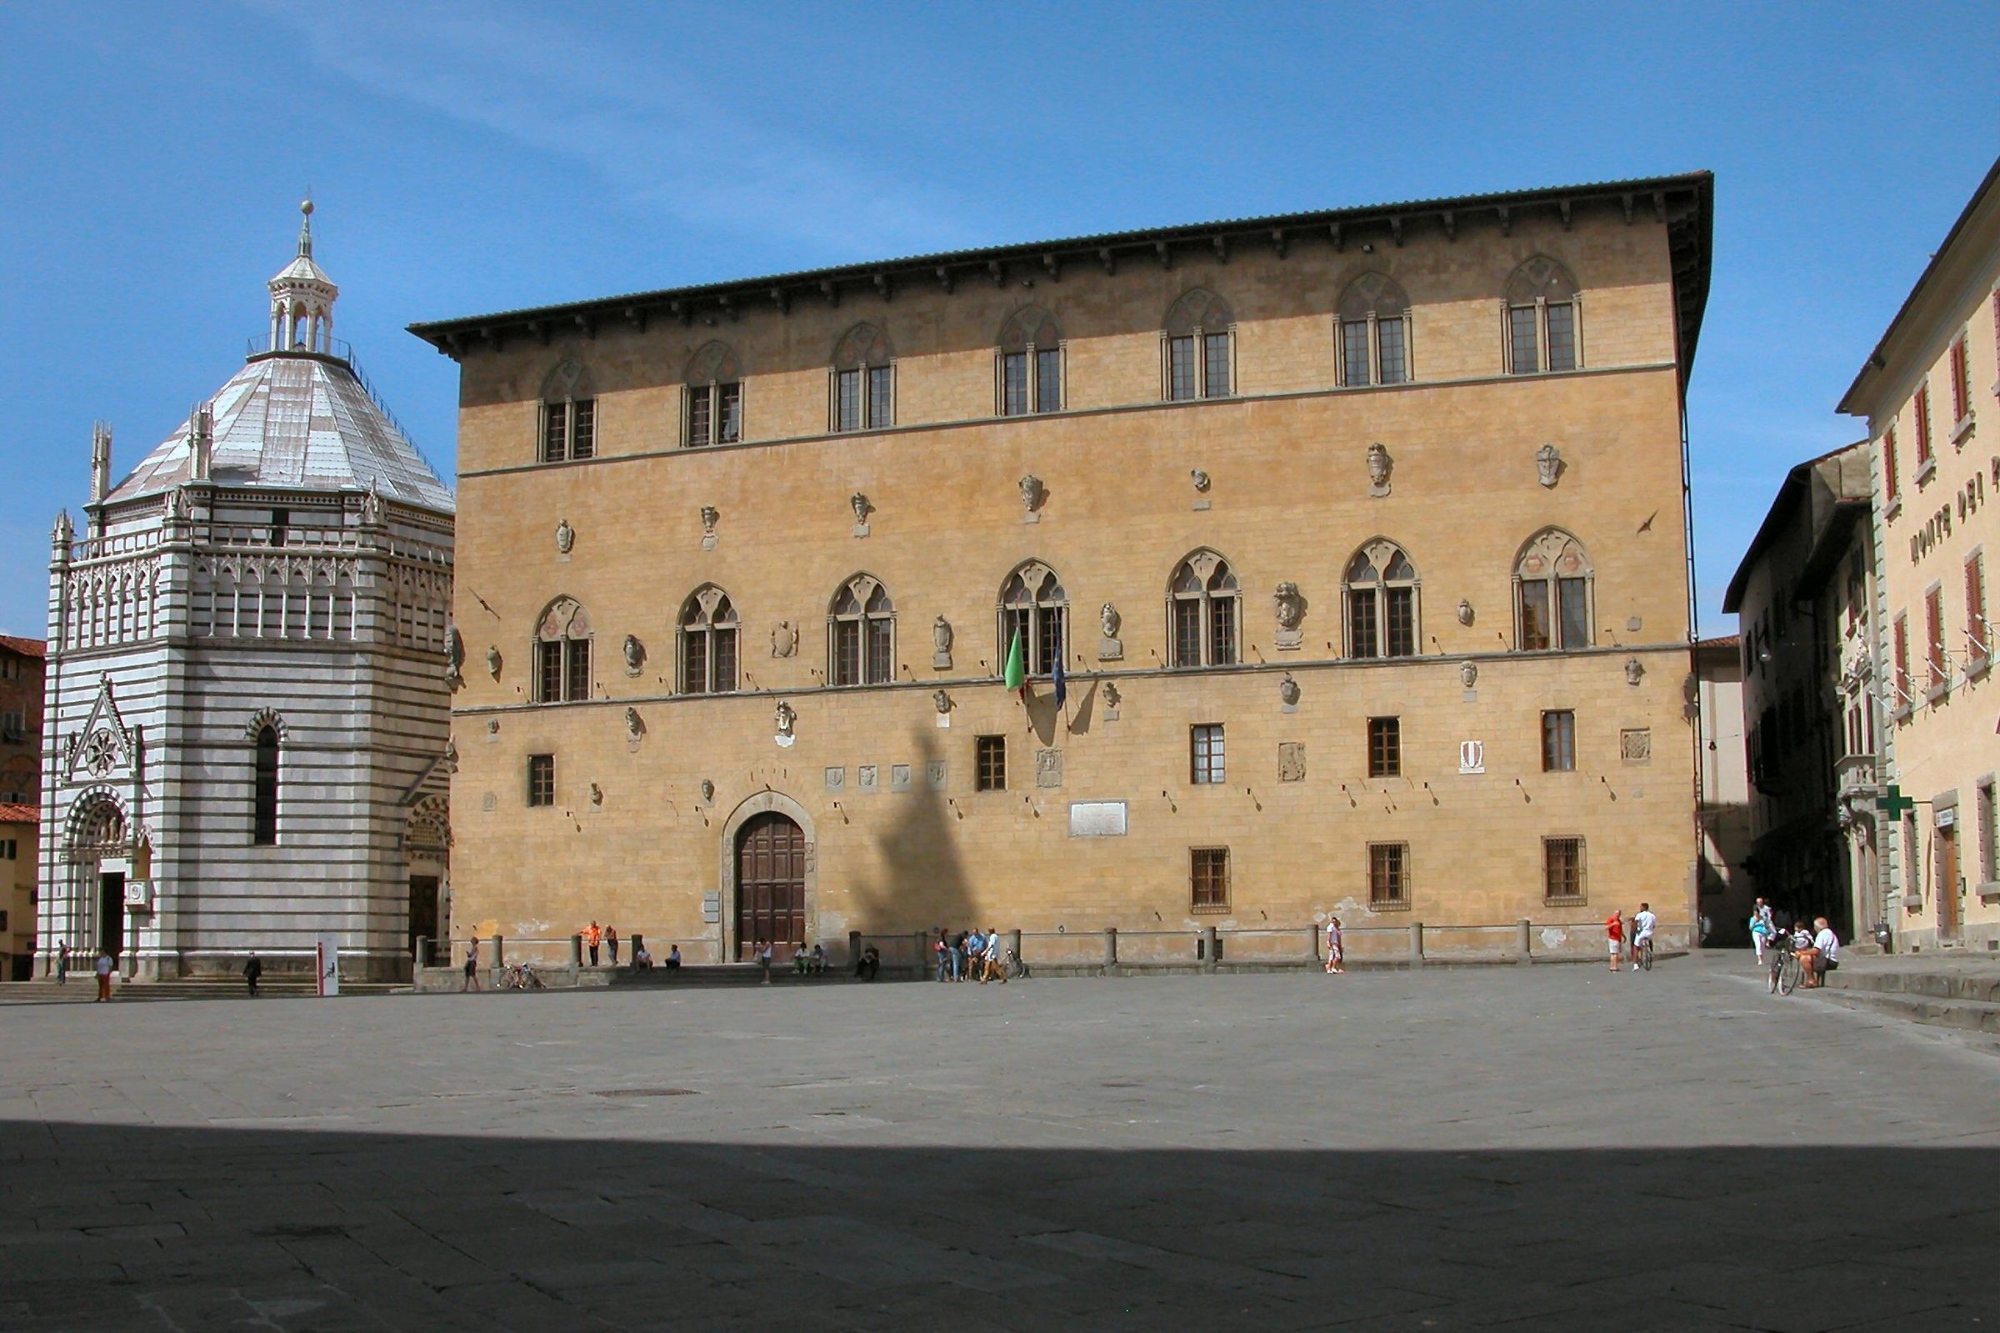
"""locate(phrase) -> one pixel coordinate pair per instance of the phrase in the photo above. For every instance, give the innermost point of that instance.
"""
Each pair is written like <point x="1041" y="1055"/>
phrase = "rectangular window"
<point x="1934" y="636"/>
<point x="1922" y="408"/>
<point x="725" y="659"/>
<point x="1575" y="609"/>
<point x="1187" y="632"/>
<point x="1209" y="877"/>
<point x="1215" y="366"/>
<point x="1534" y="615"/>
<point x="1391" y="353"/>
<point x="847" y="652"/>
<point x="1180" y="369"/>
<point x="1385" y="747"/>
<point x="847" y="400"/>
<point x="1361" y="640"/>
<point x="881" y="407"/>
<point x="583" y="428"/>
<point x="1562" y="336"/>
<point x="881" y="651"/>
<point x="1562" y="870"/>
<point x="1048" y="379"/>
<point x="1222" y="631"/>
<point x="1975" y="606"/>
<point x="555" y="432"/>
<point x="1354" y="353"/>
<point x="701" y="415"/>
<point x="1901" y="650"/>
<point x="1524" y="352"/>
<point x="1014" y="384"/>
<point x="549" y="671"/>
<point x="1889" y="464"/>
<point x="1989" y="867"/>
<point x="1559" y="741"/>
<point x="576" y="668"/>
<point x="1205" y="754"/>
<point x="1402" y="622"/>
<point x="1048" y="639"/>
<point x="541" y="779"/>
<point x="1388" y="874"/>
<point x="728" y="413"/>
<point x="694" y="663"/>
<point x="989" y="771"/>
<point x="1961" y="387"/>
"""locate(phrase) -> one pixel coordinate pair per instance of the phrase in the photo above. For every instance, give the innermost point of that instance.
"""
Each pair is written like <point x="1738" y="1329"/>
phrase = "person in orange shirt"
<point x="593" y="937"/>
<point x="1614" y="931"/>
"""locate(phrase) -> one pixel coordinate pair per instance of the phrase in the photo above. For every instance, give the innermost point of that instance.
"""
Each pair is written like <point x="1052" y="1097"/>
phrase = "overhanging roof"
<point x="1685" y="202"/>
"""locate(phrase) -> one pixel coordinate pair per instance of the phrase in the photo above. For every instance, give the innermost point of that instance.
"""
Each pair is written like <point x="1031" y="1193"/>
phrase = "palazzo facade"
<point x="1346" y="553"/>
<point x="247" y="717"/>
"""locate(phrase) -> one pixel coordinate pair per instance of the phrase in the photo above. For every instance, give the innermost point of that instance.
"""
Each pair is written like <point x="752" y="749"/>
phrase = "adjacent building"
<point x="1922" y="392"/>
<point x="1804" y="599"/>
<point x="1726" y="892"/>
<point x="248" y="712"/>
<point x="20" y="795"/>
<point x="1343" y="555"/>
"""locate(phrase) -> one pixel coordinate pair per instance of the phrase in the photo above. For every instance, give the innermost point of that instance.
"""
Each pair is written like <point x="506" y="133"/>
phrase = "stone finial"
<point x="100" y="461"/>
<point x="62" y="535"/>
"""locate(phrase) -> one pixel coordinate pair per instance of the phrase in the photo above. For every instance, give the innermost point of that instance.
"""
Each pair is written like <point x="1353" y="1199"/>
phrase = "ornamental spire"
<point x="306" y="229"/>
<point x="302" y="299"/>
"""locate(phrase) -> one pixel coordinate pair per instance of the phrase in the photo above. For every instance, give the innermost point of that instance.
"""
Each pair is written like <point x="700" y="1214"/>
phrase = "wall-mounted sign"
<point x="1097" y="819"/>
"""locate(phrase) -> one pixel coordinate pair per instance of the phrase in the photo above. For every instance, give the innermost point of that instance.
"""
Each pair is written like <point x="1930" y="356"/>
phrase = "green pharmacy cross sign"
<point x="1893" y="803"/>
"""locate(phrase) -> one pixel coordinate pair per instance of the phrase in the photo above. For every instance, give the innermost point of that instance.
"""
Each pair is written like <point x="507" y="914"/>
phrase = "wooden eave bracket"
<point x="1278" y="241"/>
<point x="1450" y="221"/>
<point x="1052" y="266"/>
<point x="944" y="278"/>
<point x="1105" y="258"/>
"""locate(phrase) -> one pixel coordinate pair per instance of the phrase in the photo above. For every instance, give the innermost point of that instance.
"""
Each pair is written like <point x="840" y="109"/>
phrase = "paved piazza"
<point x="1546" y="1147"/>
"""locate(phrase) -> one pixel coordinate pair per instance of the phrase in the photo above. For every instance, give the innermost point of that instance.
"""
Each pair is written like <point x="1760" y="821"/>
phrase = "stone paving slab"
<point x="1451" y="1149"/>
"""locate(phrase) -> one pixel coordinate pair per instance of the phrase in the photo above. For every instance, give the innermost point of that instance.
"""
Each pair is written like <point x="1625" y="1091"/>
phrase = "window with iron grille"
<point x="1388" y="874"/>
<point x="715" y="414"/>
<point x="1385" y="747"/>
<point x="989" y="770"/>
<point x="1209" y="876"/>
<point x="1562" y="870"/>
<point x="1559" y="741"/>
<point x="569" y="430"/>
<point x="541" y="779"/>
<point x="1205" y="759"/>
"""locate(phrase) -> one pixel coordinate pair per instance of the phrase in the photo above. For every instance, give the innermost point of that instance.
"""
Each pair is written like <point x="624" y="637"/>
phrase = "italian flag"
<point x="1016" y="671"/>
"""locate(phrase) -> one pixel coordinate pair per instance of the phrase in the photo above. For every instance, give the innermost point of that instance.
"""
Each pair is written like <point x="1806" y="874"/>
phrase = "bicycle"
<point x="1785" y="969"/>
<point x="522" y="976"/>
<point x="1642" y="954"/>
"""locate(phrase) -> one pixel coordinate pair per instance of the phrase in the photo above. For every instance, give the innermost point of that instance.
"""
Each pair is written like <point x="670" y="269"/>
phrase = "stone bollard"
<point x="576" y="952"/>
<point x="1524" y="943"/>
<point x="1313" y="935"/>
<point x="1110" y="950"/>
<point x="1209" y="947"/>
<point x="423" y="956"/>
<point x="638" y="942"/>
<point x="1416" y="944"/>
<point x="499" y="954"/>
<point x="1014" y="943"/>
<point x="853" y="949"/>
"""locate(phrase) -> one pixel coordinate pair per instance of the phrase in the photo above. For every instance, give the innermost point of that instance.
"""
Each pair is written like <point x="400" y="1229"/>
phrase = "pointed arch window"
<point x="1543" y="310"/>
<point x="1374" y="328"/>
<point x="1381" y="592"/>
<point x="264" y="796"/>
<point x="1028" y="369"/>
<point x="1552" y="594"/>
<point x="569" y="415"/>
<point x="708" y="643"/>
<point x="713" y="411"/>
<point x="1034" y="605"/>
<point x="1198" y="348"/>
<point x="562" y="653"/>
<point x="862" y="388"/>
<point x="1203" y="601"/>
<point x="861" y="638"/>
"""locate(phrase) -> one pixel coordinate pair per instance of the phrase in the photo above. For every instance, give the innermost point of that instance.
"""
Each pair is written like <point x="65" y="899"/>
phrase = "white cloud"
<point x="631" y="116"/>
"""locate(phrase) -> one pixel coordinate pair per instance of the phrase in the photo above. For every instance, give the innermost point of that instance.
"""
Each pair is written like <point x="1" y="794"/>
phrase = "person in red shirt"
<point x="1614" y="932"/>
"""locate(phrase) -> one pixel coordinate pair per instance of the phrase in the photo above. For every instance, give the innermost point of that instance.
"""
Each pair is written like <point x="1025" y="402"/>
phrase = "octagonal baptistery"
<point x="249" y="664"/>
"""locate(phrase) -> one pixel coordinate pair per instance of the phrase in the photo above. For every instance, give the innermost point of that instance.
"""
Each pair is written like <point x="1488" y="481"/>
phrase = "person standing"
<point x="764" y="960"/>
<point x="1614" y="932"/>
<point x="471" y="981"/>
<point x="1643" y="922"/>
<point x="592" y="938"/>
<point x="104" y="966"/>
<point x="1336" y="952"/>
<point x="1760" y="929"/>
<point x="611" y="942"/>
<point x="253" y="972"/>
<point x="62" y="962"/>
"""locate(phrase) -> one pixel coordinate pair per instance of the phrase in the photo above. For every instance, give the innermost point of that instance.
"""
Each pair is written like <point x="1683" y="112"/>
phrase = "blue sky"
<point x="474" y="157"/>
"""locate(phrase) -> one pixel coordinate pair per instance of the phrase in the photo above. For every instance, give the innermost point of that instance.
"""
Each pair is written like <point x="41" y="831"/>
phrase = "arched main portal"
<point x="99" y="850"/>
<point x="770" y="883"/>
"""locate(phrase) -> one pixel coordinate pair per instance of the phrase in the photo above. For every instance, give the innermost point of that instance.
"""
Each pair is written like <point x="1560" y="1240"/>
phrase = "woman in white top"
<point x="1336" y="955"/>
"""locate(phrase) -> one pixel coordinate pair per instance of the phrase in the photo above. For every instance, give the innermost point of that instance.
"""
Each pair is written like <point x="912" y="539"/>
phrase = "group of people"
<point x="104" y="967"/>
<point x="642" y="958"/>
<point x="1817" y="946"/>
<point x="1643" y="923"/>
<point x="970" y="954"/>
<point x="595" y="937"/>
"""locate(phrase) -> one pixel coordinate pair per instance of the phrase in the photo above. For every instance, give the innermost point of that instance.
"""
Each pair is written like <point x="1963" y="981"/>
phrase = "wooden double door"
<point x="770" y="886"/>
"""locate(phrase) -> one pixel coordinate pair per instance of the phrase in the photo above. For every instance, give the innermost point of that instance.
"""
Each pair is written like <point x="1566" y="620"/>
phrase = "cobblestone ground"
<point x="1548" y="1147"/>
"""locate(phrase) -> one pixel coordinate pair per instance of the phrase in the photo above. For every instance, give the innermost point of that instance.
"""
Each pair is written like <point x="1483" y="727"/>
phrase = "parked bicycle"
<point x="522" y="976"/>
<point x="1785" y="969"/>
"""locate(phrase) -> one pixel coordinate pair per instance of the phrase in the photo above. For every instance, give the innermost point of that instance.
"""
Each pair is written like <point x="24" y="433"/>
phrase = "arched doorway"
<point x="770" y="884"/>
<point x="98" y="852"/>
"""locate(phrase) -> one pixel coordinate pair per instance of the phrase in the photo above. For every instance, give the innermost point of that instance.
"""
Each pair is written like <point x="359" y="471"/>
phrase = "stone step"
<point x="1964" y="1015"/>
<point x="729" y="974"/>
<point x="1941" y="984"/>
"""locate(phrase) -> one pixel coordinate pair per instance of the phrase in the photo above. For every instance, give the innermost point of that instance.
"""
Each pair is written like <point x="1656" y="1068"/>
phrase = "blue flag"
<point x="1062" y="690"/>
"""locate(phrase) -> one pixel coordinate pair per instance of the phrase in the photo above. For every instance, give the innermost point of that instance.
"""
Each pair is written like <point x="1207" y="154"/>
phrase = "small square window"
<point x="1385" y="747"/>
<point x="1562" y="870"/>
<point x="541" y="779"/>
<point x="990" y="763"/>
<point x="1205" y="754"/>
<point x="1388" y="874"/>
<point x="1559" y="741"/>
<point x="1209" y="874"/>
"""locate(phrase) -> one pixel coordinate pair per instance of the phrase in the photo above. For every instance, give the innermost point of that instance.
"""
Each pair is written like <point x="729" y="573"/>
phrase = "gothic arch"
<point x="566" y="381"/>
<point x="1375" y="294"/>
<point x="714" y="362"/>
<point x="1540" y="278"/>
<point x="1029" y="325"/>
<point x="863" y="345"/>
<point x="1198" y="308"/>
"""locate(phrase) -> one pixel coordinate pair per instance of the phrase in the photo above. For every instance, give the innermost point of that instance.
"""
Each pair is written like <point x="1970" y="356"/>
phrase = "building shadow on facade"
<point x="119" y="1226"/>
<point x="921" y="880"/>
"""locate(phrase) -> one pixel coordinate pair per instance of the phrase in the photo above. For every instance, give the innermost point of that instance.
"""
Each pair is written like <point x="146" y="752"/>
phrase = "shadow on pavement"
<point x="111" y="1227"/>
